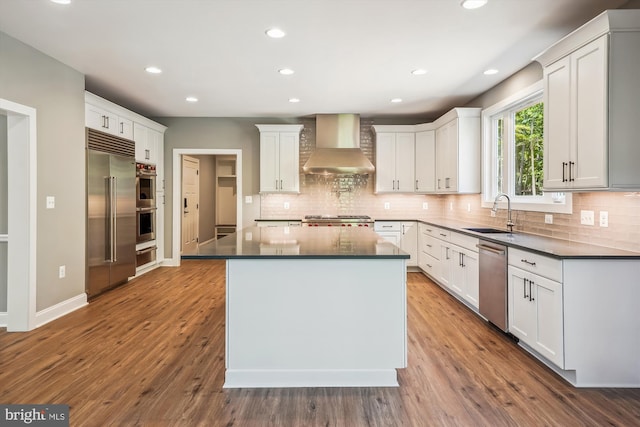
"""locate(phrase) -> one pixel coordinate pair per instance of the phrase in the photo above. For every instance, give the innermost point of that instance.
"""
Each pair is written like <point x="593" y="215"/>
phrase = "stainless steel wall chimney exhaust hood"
<point x="338" y="147"/>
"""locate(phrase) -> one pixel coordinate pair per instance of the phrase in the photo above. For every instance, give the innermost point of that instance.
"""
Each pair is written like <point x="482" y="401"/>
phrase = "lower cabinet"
<point x="464" y="274"/>
<point x="403" y="234"/>
<point x="535" y="313"/>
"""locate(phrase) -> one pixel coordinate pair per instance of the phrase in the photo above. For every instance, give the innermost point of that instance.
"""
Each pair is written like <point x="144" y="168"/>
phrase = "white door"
<point x="190" y="204"/>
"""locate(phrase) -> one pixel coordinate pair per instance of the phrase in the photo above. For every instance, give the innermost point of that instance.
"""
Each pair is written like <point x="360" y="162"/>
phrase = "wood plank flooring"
<point x="151" y="353"/>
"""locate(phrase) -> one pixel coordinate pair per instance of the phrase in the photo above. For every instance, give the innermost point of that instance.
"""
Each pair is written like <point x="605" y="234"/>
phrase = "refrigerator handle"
<point x="114" y="216"/>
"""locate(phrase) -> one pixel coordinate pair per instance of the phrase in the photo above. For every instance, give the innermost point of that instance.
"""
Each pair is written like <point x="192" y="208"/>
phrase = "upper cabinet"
<point x="395" y="154"/>
<point x="457" y="142"/>
<point x="279" y="158"/>
<point x="148" y="135"/>
<point x="425" y="161"/>
<point x="106" y="121"/>
<point x="591" y="99"/>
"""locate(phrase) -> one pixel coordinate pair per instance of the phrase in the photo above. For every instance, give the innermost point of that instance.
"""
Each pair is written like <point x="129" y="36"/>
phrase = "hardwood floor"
<point x="151" y="353"/>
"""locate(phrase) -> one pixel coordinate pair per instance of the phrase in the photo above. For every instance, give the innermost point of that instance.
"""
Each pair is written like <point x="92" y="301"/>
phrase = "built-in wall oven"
<point x="145" y="213"/>
<point x="145" y="185"/>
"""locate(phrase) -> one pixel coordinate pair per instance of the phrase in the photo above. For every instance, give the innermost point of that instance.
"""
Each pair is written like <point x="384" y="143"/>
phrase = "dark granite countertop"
<point x="300" y="242"/>
<point x="557" y="248"/>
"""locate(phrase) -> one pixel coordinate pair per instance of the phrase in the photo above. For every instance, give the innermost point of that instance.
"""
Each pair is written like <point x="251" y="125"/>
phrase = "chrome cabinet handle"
<point x="533" y="264"/>
<point x="531" y="298"/>
<point x="524" y="288"/>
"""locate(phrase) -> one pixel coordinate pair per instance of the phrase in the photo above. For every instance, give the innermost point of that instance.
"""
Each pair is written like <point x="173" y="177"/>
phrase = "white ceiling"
<point x="349" y="56"/>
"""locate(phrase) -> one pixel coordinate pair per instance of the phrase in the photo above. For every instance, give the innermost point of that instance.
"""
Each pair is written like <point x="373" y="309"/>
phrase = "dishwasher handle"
<point x="490" y="249"/>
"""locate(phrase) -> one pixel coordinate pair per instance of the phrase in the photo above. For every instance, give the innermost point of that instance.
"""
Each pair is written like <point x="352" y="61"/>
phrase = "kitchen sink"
<point x="487" y="230"/>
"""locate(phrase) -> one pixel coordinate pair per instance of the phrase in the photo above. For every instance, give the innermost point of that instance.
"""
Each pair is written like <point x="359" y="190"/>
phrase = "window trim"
<point x="488" y="161"/>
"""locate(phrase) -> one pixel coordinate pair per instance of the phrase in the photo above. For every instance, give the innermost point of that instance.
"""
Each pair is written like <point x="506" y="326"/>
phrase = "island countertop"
<point x="300" y="242"/>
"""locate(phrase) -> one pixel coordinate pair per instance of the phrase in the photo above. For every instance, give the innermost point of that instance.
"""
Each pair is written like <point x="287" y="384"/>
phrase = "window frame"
<point x="547" y="203"/>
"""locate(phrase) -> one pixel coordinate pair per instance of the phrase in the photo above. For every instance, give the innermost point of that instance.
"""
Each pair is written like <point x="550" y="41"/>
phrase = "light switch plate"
<point x="286" y="205"/>
<point x="248" y="199"/>
<point x="586" y="218"/>
<point x="425" y="205"/>
<point x="548" y="219"/>
<point x="387" y="205"/>
<point x="51" y="202"/>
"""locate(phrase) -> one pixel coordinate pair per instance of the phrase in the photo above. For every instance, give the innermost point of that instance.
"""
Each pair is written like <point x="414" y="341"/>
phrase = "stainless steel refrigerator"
<point x="111" y="211"/>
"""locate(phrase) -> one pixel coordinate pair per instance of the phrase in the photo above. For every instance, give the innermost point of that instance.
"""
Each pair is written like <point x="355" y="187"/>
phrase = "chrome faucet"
<point x="510" y="223"/>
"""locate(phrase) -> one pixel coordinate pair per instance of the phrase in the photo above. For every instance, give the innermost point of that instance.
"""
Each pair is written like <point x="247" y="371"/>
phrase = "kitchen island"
<point x="312" y="307"/>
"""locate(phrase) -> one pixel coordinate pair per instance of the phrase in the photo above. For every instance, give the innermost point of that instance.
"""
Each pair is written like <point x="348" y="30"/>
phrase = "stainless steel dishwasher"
<point x="493" y="283"/>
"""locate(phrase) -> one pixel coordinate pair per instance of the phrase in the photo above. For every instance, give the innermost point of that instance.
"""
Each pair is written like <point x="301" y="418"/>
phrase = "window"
<point x="513" y="147"/>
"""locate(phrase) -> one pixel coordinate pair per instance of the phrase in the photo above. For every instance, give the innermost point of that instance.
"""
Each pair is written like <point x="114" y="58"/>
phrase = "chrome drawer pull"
<point x="533" y="264"/>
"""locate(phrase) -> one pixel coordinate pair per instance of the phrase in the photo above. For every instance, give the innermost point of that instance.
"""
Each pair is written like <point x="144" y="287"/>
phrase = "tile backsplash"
<point x="355" y="196"/>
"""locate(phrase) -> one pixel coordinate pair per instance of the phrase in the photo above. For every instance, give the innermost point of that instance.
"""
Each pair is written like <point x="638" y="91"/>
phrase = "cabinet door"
<point x="409" y="242"/>
<point x="289" y="160"/>
<point x="155" y="144"/>
<point x="140" y="138"/>
<point x="456" y="272"/>
<point x="557" y="124"/>
<point x="522" y="313"/>
<point x="589" y="148"/>
<point x="269" y="158"/>
<point x="451" y="175"/>
<point x="385" y="162"/>
<point x="442" y="157"/>
<point x="549" y="334"/>
<point x="100" y="119"/>
<point x="404" y="163"/>
<point x="471" y="289"/>
<point x="425" y="162"/>
<point x="125" y="128"/>
<point x="390" y="236"/>
<point x="445" y="264"/>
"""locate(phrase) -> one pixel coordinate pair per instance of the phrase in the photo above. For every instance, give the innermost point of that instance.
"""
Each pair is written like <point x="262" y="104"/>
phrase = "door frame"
<point x="22" y="216"/>
<point x="196" y="160"/>
<point x="177" y="191"/>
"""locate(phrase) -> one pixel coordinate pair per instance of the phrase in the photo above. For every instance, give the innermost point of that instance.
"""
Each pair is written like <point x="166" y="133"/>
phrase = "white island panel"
<point x="315" y="322"/>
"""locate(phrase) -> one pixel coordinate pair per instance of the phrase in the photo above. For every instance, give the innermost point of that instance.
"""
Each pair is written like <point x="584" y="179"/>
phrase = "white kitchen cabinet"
<point x="149" y="144"/>
<point x="465" y="274"/>
<point x="535" y="313"/>
<point x="279" y="158"/>
<point x="403" y="234"/>
<point x="590" y="96"/>
<point x="107" y="121"/>
<point x="425" y="162"/>
<point x="428" y="250"/>
<point x="457" y="145"/>
<point x="395" y="153"/>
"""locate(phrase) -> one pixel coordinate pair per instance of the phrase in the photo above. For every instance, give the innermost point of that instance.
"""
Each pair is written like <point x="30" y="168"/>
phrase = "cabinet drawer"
<point x="465" y="241"/>
<point x="428" y="264"/>
<point x="430" y="245"/>
<point x="387" y="226"/>
<point x="535" y="263"/>
<point x="428" y="229"/>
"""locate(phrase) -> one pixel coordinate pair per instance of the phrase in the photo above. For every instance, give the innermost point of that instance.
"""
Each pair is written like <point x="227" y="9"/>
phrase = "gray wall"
<point x="56" y="91"/>
<point x="207" y="217"/>
<point x="3" y="212"/>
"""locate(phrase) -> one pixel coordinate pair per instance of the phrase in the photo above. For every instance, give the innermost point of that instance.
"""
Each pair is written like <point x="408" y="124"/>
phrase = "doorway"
<point x="18" y="231"/>
<point x="178" y="199"/>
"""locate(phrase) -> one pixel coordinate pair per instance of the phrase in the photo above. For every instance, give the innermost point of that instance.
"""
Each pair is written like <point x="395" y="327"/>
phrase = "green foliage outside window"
<point x="529" y="150"/>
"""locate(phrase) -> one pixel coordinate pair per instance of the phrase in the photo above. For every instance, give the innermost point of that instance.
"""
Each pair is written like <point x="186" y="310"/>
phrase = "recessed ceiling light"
<point x="473" y="4"/>
<point x="191" y="99"/>
<point x="275" y="33"/>
<point x="153" y="70"/>
<point x="490" y="72"/>
<point x="419" y="72"/>
<point x="294" y="100"/>
<point x="286" y="71"/>
<point x="396" y="100"/>
<point x="61" y="1"/>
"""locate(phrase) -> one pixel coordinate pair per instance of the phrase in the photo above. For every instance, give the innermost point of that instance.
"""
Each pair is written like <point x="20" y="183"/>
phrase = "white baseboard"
<point x="65" y="307"/>
<point x="4" y="318"/>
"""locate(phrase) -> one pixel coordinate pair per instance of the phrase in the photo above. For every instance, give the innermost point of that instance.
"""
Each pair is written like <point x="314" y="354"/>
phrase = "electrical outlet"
<point x="493" y="213"/>
<point x="450" y="206"/>
<point x="62" y="271"/>
<point x="604" y="219"/>
<point x="586" y="217"/>
<point x="248" y="199"/>
<point x="425" y="205"/>
<point x="387" y="205"/>
<point x="286" y="205"/>
<point x="51" y="202"/>
<point x="468" y="207"/>
<point x="548" y="219"/>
